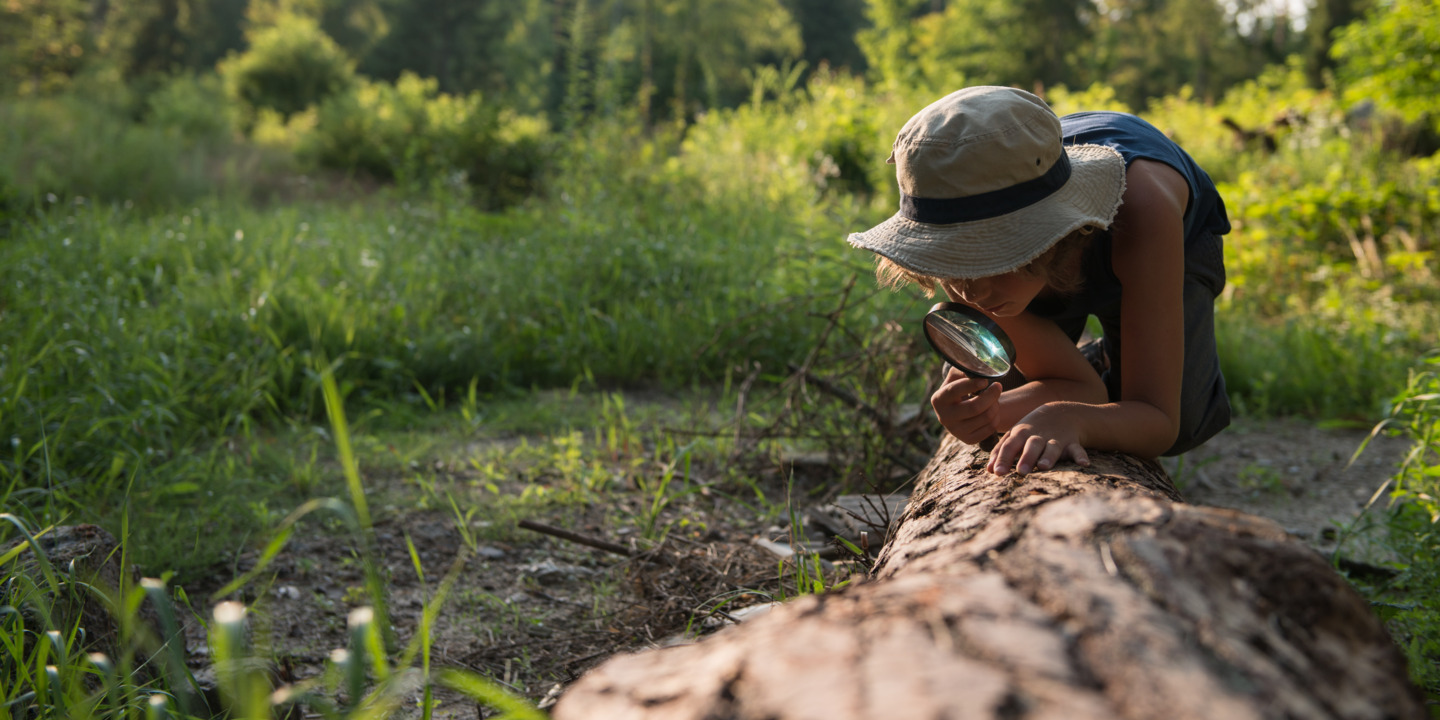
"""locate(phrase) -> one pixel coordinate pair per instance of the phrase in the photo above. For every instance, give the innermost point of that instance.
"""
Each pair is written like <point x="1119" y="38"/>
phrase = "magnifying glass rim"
<point x="980" y="319"/>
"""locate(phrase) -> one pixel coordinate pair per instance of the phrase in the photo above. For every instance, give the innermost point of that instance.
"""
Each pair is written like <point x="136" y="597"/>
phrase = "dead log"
<point x="1072" y="594"/>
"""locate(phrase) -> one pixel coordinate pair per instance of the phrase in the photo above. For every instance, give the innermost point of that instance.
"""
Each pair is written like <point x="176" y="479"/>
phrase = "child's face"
<point x="998" y="295"/>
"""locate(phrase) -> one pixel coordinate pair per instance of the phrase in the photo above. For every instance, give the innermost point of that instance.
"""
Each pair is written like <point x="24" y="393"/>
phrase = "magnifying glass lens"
<point x="969" y="341"/>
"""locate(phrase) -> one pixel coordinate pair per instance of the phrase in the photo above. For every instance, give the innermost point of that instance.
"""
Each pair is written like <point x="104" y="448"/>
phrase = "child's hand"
<point x="967" y="407"/>
<point x="1037" y="442"/>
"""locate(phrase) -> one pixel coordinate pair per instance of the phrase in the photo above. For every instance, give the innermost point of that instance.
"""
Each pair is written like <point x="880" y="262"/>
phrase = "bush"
<point x="413" y="134"/>
<point x="832" y="135"/>
<point x="195" y="106"/>
<point x="61" y="147"/>
<point x="290" y="66"/>
<point x="1409" y="601"/>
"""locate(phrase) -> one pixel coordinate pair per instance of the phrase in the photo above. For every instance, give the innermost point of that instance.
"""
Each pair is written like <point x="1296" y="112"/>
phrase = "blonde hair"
<point x="1052" y="265"/>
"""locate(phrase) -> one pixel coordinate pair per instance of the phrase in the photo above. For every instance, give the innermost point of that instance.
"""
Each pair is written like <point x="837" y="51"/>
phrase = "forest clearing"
<point x="395" y="360"/>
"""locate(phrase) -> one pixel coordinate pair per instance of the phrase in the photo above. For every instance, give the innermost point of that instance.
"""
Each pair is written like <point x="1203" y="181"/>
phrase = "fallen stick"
<point x="575" y="537"/>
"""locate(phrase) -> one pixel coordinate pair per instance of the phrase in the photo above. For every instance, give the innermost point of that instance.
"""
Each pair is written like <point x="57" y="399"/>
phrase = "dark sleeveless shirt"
<point x="1205" y="407"/>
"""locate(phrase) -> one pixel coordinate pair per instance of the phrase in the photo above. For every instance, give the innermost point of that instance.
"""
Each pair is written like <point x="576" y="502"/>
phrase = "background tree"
<point x="675" y="55"/>
<point x="827" y="32"/>
<point x="45" y="44"/>
<point x="1029" y="43"/>
<point x="1391" y="58"/>
<point x="1324" y="19"/>
<point x="179" y="35"/>
<point x="457" y="42"/>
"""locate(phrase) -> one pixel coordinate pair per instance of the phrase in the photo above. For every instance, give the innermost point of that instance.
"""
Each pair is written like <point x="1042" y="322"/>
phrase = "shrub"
<point x="61" y="147"/>
<point x="833" y="134"/>
<point x="195" y="106"/>
<point x="290" y="66"/>
<point x="1408" y="601"/>
<point x="413" y="134"/>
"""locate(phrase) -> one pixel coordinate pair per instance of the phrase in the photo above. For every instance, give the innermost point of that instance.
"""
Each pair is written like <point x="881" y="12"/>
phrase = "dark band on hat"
<point x="946" y="211"/>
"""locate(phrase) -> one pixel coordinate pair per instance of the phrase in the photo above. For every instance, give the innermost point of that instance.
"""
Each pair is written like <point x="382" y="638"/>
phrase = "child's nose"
<point x="975" y="292"/>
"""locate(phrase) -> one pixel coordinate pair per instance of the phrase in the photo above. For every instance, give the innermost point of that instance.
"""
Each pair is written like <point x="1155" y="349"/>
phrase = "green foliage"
<point x="827" y="32"/>
<point x="478" y="45"/>
<point x="1098" y="96"/>
<point x="59" y="148"/>
<point x="45" y="45"/>
<point x="1331" y="275"/>
<point x="666" y="57"/>
<point x="1144" y="50"/>
<point x="166" y="340"/>
<point x="195" y="106"/>
<point x="1151" y="50"/>
<point x="41" y="44"/>
<point x="1410" y="601"/>
<point x="1391" y="58"/>
<point x="943" y="47"/>
<point x="830" y="137"/>
<point x="411" y="133"/>
<point x="288" y="67"/>
<point x="55" y="663"/>
<point x="1329" y="363"/>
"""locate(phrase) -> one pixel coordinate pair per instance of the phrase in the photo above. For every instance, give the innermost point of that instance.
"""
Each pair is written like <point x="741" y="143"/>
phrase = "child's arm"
<point x="1148" y="259"/>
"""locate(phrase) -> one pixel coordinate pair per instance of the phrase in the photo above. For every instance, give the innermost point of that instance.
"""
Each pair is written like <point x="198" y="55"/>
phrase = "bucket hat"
<point x="987" y="185"/>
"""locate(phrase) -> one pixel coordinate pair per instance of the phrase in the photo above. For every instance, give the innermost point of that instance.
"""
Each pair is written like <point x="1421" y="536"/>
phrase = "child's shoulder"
<point x="1131" y="135"/>
<point x="1106" y="120"/>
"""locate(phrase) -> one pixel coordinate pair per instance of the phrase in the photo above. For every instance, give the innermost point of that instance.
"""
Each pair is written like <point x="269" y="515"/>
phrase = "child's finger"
<point x="1049" y="455"/>
<point x="1033" y="451"/>
<point x="1004" y="453"/>
<point x="961" y="388"/>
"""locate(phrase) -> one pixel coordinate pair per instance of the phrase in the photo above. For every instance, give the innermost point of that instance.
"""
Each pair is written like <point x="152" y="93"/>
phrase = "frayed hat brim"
<point x="1001" y="244"/>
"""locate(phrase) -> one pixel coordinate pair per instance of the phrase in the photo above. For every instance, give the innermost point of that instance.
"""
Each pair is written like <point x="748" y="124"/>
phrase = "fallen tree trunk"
<point x="1069" y="594"/>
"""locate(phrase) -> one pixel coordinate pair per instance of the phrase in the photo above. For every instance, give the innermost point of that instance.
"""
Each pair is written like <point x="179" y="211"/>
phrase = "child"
<point x="1039" y="222"/>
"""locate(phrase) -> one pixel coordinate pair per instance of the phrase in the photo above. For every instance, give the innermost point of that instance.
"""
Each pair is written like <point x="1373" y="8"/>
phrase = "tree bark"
<point x="1070" y="594"/>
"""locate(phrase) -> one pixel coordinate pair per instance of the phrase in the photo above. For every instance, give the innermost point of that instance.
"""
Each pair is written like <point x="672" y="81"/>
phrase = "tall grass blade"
<point x="177" y="674"/>
<point x="511" y="707"/>
<point x="375" y="584"/>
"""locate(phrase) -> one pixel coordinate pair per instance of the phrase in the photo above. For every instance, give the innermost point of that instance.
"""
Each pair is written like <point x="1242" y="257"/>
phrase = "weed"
<point x="1409" y="601"/>
<point x="1183" y="470"/>
<point x="1258" y="478"/>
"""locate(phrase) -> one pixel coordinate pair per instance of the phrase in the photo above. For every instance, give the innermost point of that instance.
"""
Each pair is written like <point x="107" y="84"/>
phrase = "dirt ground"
<point x="1299" y="475"/>
<point x="534" y="611"/>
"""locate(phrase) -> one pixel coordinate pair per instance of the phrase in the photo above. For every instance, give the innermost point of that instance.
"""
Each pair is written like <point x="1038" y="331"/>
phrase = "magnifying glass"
<point x="972" y="343"/>
<point x="969" y="341"/>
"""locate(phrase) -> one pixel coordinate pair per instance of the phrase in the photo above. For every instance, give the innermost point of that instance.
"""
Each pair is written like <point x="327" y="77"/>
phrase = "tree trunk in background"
<point x="1070" y="594"/>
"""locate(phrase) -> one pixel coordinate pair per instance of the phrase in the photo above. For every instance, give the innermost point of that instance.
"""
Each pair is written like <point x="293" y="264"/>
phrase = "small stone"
<point x="548" y="572"/>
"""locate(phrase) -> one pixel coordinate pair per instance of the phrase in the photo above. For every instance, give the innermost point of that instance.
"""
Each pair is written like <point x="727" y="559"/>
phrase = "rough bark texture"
<point x="1070" y="594"/>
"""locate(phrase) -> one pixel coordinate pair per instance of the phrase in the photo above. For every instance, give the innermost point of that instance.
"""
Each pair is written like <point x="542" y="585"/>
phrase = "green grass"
<point x="157" y="357"/>
<point x="1408" y="599"/>
<point x="1303" y="366"/>
<point x="49" y="668"/>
